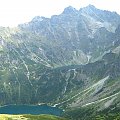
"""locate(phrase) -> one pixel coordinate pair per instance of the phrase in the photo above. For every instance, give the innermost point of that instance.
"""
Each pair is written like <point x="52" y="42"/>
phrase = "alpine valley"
<point x="71" y="61"/>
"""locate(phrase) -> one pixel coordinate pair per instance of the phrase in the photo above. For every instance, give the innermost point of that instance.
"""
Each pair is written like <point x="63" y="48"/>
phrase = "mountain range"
<point x="71" y="60"/>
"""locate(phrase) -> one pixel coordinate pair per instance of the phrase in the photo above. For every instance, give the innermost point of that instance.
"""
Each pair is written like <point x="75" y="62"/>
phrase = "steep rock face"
<point x="53" y="60"/>
<point x="74" y="32"/>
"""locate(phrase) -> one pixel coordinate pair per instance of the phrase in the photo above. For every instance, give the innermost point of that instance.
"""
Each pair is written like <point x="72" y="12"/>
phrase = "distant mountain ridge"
<point x="76" y="31"/>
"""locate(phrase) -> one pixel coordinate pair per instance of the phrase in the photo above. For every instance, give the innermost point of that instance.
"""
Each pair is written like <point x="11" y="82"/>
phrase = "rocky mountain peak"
<point x="88" y="8"/>
<point x="70" y="10"/>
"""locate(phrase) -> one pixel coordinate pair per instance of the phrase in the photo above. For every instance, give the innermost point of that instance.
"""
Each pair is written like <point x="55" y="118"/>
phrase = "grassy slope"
<point x="91" y="113"/>
<point x="29" y="117"/>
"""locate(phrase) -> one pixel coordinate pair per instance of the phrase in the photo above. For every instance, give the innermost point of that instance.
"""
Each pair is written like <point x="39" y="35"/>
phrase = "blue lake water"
<point x="29" y="109"/>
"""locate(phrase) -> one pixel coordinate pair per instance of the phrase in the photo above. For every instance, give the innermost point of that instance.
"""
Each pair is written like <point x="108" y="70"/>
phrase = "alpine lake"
<point x="30" y="109"/>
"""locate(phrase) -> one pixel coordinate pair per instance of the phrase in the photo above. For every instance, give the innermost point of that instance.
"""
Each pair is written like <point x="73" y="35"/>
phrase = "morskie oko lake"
<point x="30" y="109"/>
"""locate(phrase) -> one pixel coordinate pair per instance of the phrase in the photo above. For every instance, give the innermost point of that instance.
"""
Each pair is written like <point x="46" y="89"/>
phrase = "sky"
<point x="14" y="12"/>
